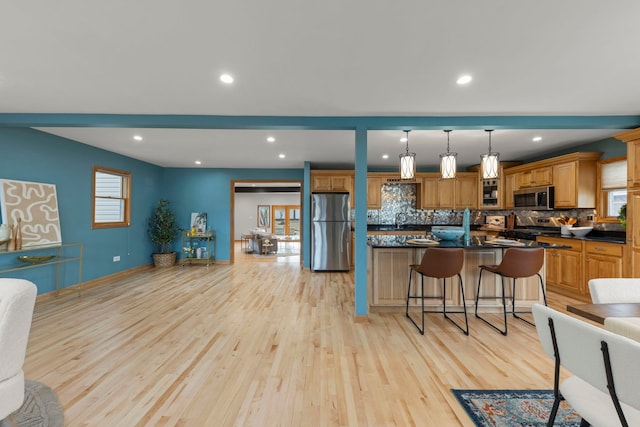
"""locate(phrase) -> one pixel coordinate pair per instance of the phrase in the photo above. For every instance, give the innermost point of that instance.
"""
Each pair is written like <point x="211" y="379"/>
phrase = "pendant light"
<point x="448" y="162"/>
<point x="490" y="162"/>
<point x="407" y="162"/>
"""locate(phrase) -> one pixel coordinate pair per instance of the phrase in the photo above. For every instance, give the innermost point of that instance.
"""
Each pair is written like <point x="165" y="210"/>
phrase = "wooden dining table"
<point x="599" y="312"/>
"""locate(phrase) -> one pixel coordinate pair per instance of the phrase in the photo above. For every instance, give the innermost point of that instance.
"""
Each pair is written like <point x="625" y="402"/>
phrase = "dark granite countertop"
<point x="475" y="242"/>
<point x="595" y="237"/>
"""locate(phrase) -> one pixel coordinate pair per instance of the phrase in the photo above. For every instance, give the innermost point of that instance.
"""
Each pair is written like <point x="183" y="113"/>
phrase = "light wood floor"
<point x="263" y="344"/>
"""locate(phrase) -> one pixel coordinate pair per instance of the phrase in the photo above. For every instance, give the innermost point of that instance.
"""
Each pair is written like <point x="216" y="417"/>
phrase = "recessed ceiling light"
<point x="537" y="138"/>
<point x="282" y="156"/>
<point x="270" y="139"/>
<point x="226" y="78"/>
<point x="463" y="80"/>
<point x="253" y="185"/>
<point x="403" y="139"/>
<point x="385" y="156"/>
<point x="198" y="162"/>
<point x="137" y="137"/>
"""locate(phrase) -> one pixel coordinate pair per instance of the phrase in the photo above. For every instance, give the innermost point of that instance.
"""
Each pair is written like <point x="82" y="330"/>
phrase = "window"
<point x="111" y="198"/>
<point x="612" y="191"/>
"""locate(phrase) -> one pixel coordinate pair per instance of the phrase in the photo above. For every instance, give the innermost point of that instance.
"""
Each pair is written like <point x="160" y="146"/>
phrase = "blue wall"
<point x="30" y="155"/>
<point x="209" y="190"/>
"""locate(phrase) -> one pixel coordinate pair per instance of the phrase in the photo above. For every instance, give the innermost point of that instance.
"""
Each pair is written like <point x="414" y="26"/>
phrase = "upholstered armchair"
<point x="17" y="299"/>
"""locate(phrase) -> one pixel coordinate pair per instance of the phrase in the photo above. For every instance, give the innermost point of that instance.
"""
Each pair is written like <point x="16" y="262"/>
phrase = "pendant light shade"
<point x="490" y="162"/>
<point x="448" y="162"/>
<point x="407" y="162"/>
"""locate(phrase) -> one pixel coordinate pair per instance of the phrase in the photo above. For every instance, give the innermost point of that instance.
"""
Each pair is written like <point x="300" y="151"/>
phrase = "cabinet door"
<point x="321" y="183"/>
<point x="466" y="192"/>
<point x="553" y="266"/>
<point x="523" y="179"/>
<point x="541" y="177"/>
<point x="342" y="183"/>
<point x="633" y="164"/>
<point x="598" y="266"/>
<point x="564" y="180"/>
<point x="570" y="271"/>
<point x="374" y="193"/>
<point x="633" y="232"/>
<point x="446" y="188"/>
<point x="509" y="186"/>
<point x="430" y="193"/>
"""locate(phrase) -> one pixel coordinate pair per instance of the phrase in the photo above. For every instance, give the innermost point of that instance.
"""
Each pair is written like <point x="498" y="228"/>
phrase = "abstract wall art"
<point x="36" y="204"/>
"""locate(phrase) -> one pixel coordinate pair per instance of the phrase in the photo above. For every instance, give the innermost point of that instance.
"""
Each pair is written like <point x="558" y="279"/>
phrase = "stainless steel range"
<point x="530" y="227"/>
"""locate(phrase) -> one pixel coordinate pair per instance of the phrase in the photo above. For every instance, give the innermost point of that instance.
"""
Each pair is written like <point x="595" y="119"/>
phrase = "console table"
<point x="63" y="253"/>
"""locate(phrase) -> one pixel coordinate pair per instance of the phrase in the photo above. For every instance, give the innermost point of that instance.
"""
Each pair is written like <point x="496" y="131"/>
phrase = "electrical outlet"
<point x="589" y="217"/>
<point x="116" y="258"/>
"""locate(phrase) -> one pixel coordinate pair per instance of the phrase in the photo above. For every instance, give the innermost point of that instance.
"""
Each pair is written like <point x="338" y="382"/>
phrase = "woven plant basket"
<point x="164" y="260"/>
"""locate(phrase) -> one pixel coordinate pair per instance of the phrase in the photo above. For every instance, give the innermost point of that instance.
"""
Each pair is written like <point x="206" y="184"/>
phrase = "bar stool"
<point x="517" y="264"/>
<point x="439" y="263"/>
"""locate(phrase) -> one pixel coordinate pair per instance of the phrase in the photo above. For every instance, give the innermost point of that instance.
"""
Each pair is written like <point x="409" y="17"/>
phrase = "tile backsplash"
<point x="401" y="198"/>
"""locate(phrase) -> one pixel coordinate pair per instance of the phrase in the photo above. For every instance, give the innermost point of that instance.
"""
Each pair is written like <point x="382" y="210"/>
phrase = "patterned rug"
<point x="514" y="408"/>
<point x="41" y="408"/>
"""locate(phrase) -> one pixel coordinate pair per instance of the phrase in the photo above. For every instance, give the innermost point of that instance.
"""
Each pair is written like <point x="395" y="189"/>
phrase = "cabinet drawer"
<point x="600" y="248"/>
<point x="576" y="245"/>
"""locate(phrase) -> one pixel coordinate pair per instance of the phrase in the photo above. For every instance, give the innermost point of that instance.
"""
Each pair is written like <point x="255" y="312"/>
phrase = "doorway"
<point x="286" y="221"/>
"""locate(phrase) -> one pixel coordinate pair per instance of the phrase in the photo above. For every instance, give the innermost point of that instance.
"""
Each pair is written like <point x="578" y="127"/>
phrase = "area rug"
<point x="514" y="408"/>
<point x="40" y="408"/>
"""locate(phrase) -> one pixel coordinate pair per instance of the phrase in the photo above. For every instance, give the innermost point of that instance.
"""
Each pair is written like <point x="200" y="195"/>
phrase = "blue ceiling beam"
<point x="317" y="123"/>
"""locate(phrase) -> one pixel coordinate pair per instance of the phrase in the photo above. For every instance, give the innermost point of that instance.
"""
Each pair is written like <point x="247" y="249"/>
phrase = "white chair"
<point x="604" y="388"/>
<point x="17" y="299"/>
<point x="607" y="291"/>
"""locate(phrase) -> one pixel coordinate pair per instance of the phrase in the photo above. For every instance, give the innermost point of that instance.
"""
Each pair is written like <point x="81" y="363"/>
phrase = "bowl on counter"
<point x="447" y="232"/>
<point x="580" y="231"/>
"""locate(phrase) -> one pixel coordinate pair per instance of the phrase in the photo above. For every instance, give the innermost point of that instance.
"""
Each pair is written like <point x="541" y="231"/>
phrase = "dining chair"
<point x="438" y="263"/>
<point x="517" y="263"/>
<point x="614" y="290"/>
<point x="604" y="387"/>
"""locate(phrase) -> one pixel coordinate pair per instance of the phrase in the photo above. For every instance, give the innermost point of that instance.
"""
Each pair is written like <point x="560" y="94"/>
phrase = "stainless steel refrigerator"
<point x="330" y="232"/>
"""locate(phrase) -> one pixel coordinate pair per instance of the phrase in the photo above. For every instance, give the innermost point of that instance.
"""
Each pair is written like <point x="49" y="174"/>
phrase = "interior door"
<point x="286" y="221"/>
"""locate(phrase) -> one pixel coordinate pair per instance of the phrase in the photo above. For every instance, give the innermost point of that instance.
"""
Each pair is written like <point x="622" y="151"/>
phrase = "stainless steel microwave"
<point x="535" y="198"/>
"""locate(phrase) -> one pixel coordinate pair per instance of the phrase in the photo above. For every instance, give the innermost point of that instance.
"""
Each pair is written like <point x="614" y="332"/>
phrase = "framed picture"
<point x="264" y="216"/>
<point x="199" y="222"/>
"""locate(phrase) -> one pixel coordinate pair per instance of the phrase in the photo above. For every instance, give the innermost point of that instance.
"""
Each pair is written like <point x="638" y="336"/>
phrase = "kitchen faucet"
<point x="401" y="218"/>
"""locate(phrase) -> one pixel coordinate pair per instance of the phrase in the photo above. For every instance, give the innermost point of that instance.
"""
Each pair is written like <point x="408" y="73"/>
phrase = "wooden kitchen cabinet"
<point x="537" y="177"/>
<point x="632" y="138"/>
<point x="374" y="193"/>
<point x="603" y="260"/>
<point x="457" y="193"/>
<point x="509" y="187"/>
<point x="564" y="267"/>
<point x="333" y="181"/>
<point x="575" y="184"/>
<point x="390" y="275"/>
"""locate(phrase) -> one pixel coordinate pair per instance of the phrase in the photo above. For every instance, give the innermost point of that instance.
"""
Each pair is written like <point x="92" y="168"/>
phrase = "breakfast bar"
<point x="390" y="256"/>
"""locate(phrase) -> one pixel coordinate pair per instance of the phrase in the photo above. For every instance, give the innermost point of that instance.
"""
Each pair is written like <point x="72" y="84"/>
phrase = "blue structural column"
<point x="306" y="216"/>
<point x="361" y="300"/>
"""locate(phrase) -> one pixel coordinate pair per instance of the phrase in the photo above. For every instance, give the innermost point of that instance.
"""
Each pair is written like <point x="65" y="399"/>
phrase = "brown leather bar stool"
<point x="439" y="263"/>
<point x="517" y="264"/>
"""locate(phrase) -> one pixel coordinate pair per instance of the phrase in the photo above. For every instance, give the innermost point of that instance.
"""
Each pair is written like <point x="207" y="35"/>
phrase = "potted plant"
<point x="162" y="231"/>
<point x="622" y="215"/>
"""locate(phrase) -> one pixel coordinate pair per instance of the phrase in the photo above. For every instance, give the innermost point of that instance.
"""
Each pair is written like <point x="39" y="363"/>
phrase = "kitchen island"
<point x="389" y="258"/>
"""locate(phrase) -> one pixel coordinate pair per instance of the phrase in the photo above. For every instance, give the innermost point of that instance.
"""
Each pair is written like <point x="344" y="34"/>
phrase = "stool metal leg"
<point x="504" y="306"/>
<point x="465" y="330"/>
<point x="422" y="302"/>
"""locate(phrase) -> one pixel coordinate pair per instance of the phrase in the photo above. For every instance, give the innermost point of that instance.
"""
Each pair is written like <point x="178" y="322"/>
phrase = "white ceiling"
<point x="329" y="58"/>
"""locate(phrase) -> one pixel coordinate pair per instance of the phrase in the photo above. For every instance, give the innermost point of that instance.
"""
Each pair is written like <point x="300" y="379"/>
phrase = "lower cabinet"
<point x="564" y="266"/>
<point x="569" y="270"/>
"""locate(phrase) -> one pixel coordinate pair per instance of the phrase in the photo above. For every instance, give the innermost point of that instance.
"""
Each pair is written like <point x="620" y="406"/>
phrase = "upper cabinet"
<point x="632" y="138"/>
<point x="333" y="181"/>
<point x="457" y="193"/>
<point x="538" y="177"/>
<point x="572" y="175"/>
<point x="374" y="192"/>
